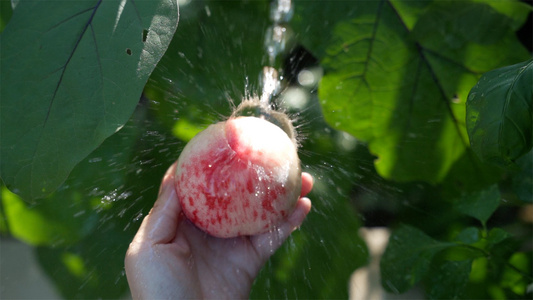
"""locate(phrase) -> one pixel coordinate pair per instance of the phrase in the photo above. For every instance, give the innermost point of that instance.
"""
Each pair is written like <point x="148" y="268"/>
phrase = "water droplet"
<point x="96" y="159"/>
<point x="277" y="38"/>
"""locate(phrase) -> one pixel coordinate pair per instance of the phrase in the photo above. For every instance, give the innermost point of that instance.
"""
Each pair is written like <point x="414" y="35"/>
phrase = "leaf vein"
<point x="95" y="8"/>
<point x="444" y="97"/>
<point x="89" y="22"/>
<point x="506" y="107"/>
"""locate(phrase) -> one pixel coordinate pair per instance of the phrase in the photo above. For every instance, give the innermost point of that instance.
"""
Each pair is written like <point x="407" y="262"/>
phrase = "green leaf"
<point x="461" y="253"/>
<point x="448" y="279"/>
<point x="313" y="34"/>
<point x="407" y="258"/>
<point x="397" y="75"/>
<point x="479" y="204"/>
<point x="469" y="235"/>
<point x="497" y="235"/>
<point x="72" y="73"/>
<point x="516" y="11"/>
<point x="500" y="114"/>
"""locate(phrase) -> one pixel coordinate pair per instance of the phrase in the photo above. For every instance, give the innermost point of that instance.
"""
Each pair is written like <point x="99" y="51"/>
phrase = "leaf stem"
<point x="485" y="253"/>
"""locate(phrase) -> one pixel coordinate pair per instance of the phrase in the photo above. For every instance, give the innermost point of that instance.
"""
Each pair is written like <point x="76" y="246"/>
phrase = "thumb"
<point x="161" y="223"/>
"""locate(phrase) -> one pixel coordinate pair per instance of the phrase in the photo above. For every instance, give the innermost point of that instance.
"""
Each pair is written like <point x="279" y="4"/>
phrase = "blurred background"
<point x="377" y="91"/>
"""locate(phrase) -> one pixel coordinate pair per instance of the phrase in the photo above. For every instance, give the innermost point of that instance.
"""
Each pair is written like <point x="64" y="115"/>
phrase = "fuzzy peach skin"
<point x="238" y="177"/>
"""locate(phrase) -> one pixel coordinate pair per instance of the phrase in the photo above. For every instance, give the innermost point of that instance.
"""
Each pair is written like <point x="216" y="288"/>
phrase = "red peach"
<point x="239" y="177"/>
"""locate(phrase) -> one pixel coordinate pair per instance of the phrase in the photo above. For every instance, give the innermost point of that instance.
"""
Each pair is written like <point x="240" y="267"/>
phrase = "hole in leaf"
<point x="145" y="35"/>
<point x="128" y="51"/>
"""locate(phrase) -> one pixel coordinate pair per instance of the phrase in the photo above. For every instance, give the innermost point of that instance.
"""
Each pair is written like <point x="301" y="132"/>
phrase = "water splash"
<point x="271" y="84"/>
<point x="277" y="39"/>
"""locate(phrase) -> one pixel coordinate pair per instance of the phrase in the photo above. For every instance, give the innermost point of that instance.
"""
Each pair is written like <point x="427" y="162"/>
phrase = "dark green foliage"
<point x="407" y="258"/>
<point x="421" y="123"/>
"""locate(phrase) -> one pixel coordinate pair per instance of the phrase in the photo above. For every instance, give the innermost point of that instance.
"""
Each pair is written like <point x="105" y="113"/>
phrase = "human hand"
<point x="170" y="258"/>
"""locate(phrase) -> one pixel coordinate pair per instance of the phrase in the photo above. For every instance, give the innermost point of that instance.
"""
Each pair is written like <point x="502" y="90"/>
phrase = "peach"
<point x="239" y="177"/>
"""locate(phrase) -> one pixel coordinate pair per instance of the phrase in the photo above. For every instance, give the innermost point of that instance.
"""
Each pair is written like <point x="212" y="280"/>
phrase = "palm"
<point x="169" y="256"/>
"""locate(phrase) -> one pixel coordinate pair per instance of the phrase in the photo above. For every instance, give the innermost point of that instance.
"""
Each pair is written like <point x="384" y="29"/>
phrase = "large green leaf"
<point x="72" y="73"/>
<point x="407" y="258"/>
<point x="397" y="75"/>
<point x="73" y="211"/>
<point x="500" y="114"/>
<point x="448" y="279"/>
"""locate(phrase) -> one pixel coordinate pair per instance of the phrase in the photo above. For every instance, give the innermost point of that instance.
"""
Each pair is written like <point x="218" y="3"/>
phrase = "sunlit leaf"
<point x="500" y="114"/>
<point x="516" y="12"/>
<point x="186" y="130"/>
<point x="479" y="270"/>
<point x="407" y="258"/>
<point x="459" y="253"/>
<point x="480" y="204"/>
<point x="517" y="276"/>
<point x="49" y="222"/>
<point x="72" y="73"/>
<point x="398" y="78"/>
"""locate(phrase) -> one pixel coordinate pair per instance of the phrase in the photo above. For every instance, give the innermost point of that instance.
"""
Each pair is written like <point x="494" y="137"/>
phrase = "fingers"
<point x="295" y="220"/>
<point x="160" y="225"/>
<point x="266" y="244"/>
<point x="307" y="184"/>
